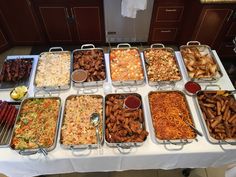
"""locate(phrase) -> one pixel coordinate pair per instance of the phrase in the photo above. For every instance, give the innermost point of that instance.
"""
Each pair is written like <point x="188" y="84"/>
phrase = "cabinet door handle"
<point x="165" y="31"/>
<point x="67" y="14"/>
<point x="72" y="13"/>
<point x="231" y="13"/>
<point x="170" y="10"/>
<point x="70" y="19"/>
<point x="28" y="2"/>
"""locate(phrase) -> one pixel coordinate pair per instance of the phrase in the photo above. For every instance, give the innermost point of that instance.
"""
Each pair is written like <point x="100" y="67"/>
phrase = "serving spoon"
<point x="95" y="121"/>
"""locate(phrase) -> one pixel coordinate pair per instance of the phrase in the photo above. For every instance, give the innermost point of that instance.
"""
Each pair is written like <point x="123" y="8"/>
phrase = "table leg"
<point x="186" y="172"/>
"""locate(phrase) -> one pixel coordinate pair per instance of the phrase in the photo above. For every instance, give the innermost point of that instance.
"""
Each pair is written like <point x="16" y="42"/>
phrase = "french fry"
<point x="225" y="113"/>
<point x="216" y="122"/>
<point x="218" y="108"/>
<point x="232" y="118"/>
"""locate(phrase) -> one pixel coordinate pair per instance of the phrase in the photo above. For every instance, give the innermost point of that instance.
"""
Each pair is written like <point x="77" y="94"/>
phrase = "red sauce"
<point x="192" y="87"/>
<point x="132" y="102"/>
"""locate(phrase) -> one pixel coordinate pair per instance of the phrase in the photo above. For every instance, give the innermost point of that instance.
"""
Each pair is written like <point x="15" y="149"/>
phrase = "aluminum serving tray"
<point x="180" y="142"/>
<point x="6" y="130"/>
<point x="54" y="88"/>
<point x="206" y="50"/>
<point x="41" y="149"/>
<point x="11" y="85"/>
<point x="89" y="47"/>
<point x="208" y="136"/>
<point x="161" y="82"/>
<point x="127" y="46"/>
<point x="125" y="147"/>
<point x="82" y="146"/>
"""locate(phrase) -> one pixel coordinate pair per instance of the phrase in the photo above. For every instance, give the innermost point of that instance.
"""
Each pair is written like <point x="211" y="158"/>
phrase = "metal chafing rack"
<point x="178" y="143"/>
<point x="9" y="85"/>
<point x="47" y="86"/>
<point x="211" y="127"/>
<point x="41" y="149"/>
<point x="174" y="64"/>
<point x="126" y="85"/>
<point x="124" y="147"/>
<point x="204" y="51"/>
<point x="74" y="147"/>
<point x="7" y="121"/>
<point x="90" y="85"/>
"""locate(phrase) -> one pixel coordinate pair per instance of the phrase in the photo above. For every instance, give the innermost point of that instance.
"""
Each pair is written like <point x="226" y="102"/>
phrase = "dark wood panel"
<point x="169" y="13"/>
<point x="164" y="34"/>
<point x="4" y="43"/>
<point x="171" y="2"/>
<point x="167" y="21"/>
<point x="3" y="40"/>
<point x="226" y="49"/>
<point x="19" y="19"/>
<point x="55" y="23"/>
<point x="167" y="25"/>
<point x="231" y="30"/>
<point x="88" y="23"/>
<point x="210" y="24"/>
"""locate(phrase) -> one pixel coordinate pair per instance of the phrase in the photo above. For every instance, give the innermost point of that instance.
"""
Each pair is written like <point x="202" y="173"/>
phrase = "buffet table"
<point x="151" y="155"/>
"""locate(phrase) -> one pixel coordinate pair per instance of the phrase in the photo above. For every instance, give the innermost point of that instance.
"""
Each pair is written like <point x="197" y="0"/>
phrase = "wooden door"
<point x="19" y="19"/>
<point x="166" y="22"/>
<point x="89" y="20"/>
<point x="88" y="23"/>
<point x="3" y="41"/>
<point x="55" y="21"/>
<point x="210" y="24"/>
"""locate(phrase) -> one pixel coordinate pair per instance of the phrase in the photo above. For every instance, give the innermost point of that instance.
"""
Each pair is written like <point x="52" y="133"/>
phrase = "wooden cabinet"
<point x="164" y="34"/>
<point x="166" y="21"/>
<point x="88" y="24"/>
<point x="225" y="49"/>
<point x="3" y="41"/>
<point x="19" y="20"/>
<point x="210" y="24"/>
<point x="231" y="31"/>
<point x="72" y="21"/>
<point x="88" y="21"/>
<point x="169" y="13"/>
<point x="55" y="23"/>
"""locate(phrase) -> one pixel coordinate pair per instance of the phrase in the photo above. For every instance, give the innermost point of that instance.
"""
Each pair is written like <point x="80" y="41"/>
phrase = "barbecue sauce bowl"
<point x="191" y="88"/>
<point x="132" y="102"/>
<point x="79" y="75"/>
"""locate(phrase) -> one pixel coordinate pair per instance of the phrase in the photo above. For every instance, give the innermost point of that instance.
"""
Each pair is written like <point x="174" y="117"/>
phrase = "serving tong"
<point x="192" y="127"/>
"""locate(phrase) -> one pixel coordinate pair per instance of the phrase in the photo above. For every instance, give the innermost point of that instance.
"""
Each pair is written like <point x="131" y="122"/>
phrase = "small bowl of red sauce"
<point x="132" y="102"/>
<point x="191" y="88"/>
<point x="79" y="75"/>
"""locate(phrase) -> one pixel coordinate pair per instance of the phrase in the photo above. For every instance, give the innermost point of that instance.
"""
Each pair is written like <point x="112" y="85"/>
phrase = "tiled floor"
<point x="209" y="172"/>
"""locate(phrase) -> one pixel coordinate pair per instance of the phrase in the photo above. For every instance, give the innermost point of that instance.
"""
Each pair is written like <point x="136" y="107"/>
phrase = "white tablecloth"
<point x="150" y="155"/>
